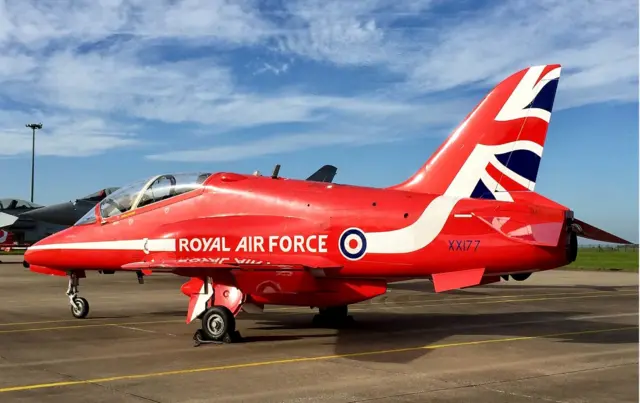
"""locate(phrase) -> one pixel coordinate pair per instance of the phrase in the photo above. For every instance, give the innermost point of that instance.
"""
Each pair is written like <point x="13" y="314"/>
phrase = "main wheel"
<point x="520" y="276"/>
<point x="335" y="316"/>
<point x="80" y="308"/>
<point x="335" y="312"/>
<point x="217" y="322"/>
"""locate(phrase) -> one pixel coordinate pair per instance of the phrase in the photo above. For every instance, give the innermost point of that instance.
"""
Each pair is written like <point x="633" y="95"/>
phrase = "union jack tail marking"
<point x="498" y="148"/>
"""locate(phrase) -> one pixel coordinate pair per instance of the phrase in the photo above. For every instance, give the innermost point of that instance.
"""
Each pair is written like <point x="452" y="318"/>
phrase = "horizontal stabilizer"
<point x="7" y="220"/>
<point x="584" y="230"/>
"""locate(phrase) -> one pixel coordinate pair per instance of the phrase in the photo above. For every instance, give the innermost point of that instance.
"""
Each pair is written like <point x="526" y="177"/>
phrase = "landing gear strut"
<point x="79" y="305"/>
<point x="333" y="316"/>
<point x="218" y="327"/>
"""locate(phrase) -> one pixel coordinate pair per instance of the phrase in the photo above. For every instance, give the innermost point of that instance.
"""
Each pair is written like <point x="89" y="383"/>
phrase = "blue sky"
<point x="129" y="88"/>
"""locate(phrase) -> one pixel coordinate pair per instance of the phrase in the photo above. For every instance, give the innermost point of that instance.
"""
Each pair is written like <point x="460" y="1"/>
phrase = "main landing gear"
<point x="218" y="327"/>
<point x="335" y="316"/>
<point x="79" y="305"/>
<point x="517" y="276"/>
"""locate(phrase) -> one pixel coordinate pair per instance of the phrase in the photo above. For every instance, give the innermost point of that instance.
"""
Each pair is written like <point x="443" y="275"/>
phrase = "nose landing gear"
<point x="79" y="306"/>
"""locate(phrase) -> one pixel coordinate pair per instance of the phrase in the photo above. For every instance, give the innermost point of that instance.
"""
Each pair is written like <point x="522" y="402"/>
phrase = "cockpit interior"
<point x="145" y="192"/>
<point x="99" y="195"/>
<point x="17" y="204"/>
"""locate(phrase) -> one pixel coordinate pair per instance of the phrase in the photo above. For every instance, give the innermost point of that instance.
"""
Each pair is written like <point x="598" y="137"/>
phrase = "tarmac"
<point x="560" y="336"/>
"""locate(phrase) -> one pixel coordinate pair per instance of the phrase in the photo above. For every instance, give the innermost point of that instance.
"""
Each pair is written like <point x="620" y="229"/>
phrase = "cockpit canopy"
<point x="99" y="195"/>
<point x="145" y="192"/>
<point x="11" y="204"/>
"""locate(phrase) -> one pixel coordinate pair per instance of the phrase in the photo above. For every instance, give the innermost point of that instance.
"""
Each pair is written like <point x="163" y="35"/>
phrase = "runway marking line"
<point x="302" y="359"/>
<point x="492" y="297"/>
<point x="122" y="324"/>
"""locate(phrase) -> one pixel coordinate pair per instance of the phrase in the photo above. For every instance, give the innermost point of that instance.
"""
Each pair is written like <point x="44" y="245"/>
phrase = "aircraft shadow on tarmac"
<point x="388" y="331"/>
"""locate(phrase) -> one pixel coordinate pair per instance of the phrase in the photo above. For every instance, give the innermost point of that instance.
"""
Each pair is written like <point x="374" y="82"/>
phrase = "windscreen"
<point x="88" y="218"/>
<point x="161" y="188"/>
<point x="122" y="199"/>
<point x="171" y="185"/>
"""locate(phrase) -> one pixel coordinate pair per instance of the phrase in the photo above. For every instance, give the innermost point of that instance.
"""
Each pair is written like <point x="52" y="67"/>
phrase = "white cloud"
<point x="96" y="66"/>
<point x="273" y="69"/>
<point x="62" y="135"/>
<point x="266" y="146"/>
<point x="274" y="145"/>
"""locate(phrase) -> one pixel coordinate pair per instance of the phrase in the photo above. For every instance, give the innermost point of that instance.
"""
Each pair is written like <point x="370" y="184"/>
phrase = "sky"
<point x="127" y="89"/>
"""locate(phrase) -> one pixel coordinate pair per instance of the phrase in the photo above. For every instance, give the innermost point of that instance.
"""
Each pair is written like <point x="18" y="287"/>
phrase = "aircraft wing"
<point x="7" y="220"/>
<point x="324" y="174"/>
<point x="220" y="274"/>
<point x="193" y="267"/>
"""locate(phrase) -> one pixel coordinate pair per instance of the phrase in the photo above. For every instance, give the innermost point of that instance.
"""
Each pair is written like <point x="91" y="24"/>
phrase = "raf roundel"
<point x="353" y="244"/>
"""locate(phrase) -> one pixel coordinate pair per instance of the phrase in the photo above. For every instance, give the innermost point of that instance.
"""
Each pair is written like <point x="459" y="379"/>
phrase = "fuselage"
<point x="366" y="232"/>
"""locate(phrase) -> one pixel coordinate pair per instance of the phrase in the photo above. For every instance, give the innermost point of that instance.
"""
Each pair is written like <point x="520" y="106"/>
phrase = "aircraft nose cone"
<point x="30" y="251"/>
<point x="28" y="254"/>
<point x="35" y="255"/>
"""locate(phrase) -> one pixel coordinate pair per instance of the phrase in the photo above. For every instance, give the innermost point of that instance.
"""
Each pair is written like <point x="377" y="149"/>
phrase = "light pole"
<point x="33" y="127"/>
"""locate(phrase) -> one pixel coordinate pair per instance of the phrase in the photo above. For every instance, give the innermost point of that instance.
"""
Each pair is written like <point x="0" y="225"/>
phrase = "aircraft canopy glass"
<point x="16" y="204"/>
<point x="99" y="195"/>
<point x="145" y="192"/>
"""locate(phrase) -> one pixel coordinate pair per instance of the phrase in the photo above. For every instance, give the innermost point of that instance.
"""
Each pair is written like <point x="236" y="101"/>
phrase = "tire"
<point x="335" y="312"/>
<point x="520" y="276"/>
<point x="217" y="322"/>
<point x="80" y="308"/>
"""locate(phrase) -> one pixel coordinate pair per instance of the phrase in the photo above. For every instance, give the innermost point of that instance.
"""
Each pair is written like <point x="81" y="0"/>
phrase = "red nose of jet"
<point x="45" y="252"/>
<point x="36" y="255"/>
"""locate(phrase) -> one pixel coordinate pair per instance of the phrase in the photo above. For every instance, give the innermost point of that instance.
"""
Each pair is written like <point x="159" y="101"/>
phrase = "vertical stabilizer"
<point x="498" y="147"/>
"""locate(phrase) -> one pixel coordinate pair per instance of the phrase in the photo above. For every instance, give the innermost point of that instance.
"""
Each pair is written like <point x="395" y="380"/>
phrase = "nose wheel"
<point x="79" y="306"/>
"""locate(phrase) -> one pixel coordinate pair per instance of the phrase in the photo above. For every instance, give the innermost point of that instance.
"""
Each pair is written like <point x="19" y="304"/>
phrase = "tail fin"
<point x="498" y="147"/>
<point x="325" y="174"/>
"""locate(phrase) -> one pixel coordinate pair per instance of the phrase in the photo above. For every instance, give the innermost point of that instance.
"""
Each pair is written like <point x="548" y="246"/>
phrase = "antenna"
<point x="276" y="171"/>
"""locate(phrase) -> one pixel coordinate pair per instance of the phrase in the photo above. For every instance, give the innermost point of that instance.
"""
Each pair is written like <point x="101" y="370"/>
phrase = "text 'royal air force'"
<point x="270" y="244"/>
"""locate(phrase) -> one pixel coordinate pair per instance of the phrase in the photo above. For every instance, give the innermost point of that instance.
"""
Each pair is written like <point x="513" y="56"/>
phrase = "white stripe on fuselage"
<point x="152" y="245"/>
<point x="417" y="235"/>
<point x="403" y="240"/>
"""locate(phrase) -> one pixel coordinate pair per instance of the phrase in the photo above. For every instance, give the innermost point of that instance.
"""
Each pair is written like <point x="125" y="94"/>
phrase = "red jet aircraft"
<point x="469" y="216"/>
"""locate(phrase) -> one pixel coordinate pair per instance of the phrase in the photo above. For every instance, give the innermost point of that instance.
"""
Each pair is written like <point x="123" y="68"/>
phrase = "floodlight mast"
<point x="33" y="127"/>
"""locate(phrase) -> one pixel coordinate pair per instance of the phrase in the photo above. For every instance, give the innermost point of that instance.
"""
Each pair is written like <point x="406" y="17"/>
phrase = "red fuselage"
<point x="239" y="217"/>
